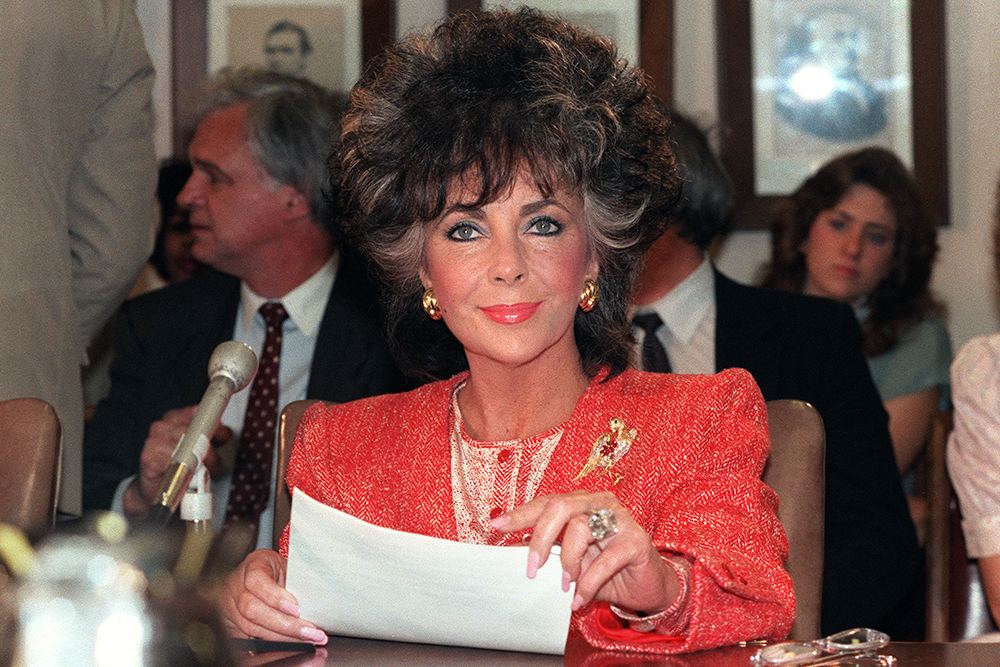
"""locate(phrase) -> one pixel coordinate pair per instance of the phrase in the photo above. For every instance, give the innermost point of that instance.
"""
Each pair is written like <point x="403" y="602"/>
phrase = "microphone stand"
<point x="196" y="511"/>
<point x="230" y="368"/>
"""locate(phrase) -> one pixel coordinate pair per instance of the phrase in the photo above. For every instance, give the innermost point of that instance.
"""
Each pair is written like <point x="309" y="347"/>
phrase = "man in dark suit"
<point x="259" y="202"/>
<point x="802" y="348"/>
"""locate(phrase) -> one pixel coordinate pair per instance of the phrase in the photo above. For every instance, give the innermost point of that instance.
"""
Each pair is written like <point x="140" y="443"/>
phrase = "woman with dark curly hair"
<point x="497" y="171"/>
<point x="857" y="232"/>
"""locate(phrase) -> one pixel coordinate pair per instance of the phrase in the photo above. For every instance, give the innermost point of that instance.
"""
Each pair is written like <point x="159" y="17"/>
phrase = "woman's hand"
<point x="624" y="569"/>
<point x="255" y="603"/>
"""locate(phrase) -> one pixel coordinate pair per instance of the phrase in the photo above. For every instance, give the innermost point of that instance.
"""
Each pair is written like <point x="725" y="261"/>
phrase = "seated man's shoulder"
<point x="822" y="326"/>
<point x="807" y="311"/>
<point x="175" y="313"/>
<point x="204" y="288"/>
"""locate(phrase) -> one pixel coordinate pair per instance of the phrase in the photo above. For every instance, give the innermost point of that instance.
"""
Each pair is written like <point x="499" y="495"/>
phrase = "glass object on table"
<point x="850" y="647"/>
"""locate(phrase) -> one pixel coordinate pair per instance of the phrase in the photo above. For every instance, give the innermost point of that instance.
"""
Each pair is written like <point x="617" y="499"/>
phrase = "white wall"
<point x="963" y="276"/>
<point x="416" y="14"/>
<point x="154" y="17"/>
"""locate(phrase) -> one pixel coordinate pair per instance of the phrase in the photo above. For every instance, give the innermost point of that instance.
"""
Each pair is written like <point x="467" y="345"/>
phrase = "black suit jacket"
<point x="165" y="338"/>
<point x="809" y="348"/>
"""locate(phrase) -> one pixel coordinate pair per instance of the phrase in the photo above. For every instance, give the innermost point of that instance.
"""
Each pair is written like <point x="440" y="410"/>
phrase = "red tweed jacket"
<point x="691" y="478"/>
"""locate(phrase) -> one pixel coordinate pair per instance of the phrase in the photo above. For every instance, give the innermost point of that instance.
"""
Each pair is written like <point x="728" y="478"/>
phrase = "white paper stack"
<point x="355" y="579"/>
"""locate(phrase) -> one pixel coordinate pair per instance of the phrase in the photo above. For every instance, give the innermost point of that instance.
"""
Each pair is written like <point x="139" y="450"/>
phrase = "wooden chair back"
<point x="796" y="471"/>
<point x="291" y="415"/>
<point x="31" y="450"/>
<point x="938" y="542"/>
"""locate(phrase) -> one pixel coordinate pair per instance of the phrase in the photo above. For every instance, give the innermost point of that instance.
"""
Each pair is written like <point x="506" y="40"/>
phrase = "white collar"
<point x="686" y="305"/>
<point x="305" y="304"/>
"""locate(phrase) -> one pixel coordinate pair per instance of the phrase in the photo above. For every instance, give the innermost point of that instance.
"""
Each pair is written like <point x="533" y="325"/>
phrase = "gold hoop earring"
<point x="589" y="296"/>
<point x="430" y="304"/>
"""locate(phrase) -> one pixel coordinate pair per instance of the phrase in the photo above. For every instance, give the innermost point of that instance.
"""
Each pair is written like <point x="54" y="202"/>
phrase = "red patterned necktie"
<point x="252" y="472"/>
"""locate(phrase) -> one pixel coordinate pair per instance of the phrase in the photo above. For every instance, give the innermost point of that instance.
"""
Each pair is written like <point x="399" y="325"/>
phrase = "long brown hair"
<point x="903" y="297"/>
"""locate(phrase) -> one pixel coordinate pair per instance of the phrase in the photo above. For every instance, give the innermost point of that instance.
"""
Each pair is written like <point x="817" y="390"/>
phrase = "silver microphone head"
<point x="233" y="360"/>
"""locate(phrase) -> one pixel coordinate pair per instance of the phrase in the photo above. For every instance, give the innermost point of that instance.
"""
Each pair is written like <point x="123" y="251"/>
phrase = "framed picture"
<point x="618" y="21"/>
<point x="316" y="39"/>
<point x="327" y="41"/>
<point x="802" y="81"/>
<point x="642" y="29"/>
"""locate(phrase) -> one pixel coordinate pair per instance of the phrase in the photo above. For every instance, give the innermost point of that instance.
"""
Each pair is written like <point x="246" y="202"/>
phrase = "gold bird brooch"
<point x="608" y="449"/>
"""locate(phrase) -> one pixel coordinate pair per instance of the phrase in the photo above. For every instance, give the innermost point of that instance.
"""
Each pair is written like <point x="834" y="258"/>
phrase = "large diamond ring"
<point x="602" y="523"/>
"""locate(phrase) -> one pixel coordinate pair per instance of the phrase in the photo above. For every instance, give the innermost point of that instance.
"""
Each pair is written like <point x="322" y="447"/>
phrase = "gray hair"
<point x="292" y="126"/>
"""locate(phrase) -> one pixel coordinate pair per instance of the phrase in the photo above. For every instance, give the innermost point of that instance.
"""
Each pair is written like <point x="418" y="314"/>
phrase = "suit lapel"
<point x="208" y="325"/>
<point x="343" y="333"/>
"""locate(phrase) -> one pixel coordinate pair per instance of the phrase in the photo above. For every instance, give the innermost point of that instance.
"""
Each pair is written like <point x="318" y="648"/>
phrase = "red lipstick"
<point x="514" y="313"/>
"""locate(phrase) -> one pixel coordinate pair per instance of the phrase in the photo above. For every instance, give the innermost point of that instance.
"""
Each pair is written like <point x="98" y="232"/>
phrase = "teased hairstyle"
<point x="481" y="98"/>
<point x="305" y="46"/>
<point x="903" y="297"/>
<point x="291" y="127"/>
<point x="703" y="208"/>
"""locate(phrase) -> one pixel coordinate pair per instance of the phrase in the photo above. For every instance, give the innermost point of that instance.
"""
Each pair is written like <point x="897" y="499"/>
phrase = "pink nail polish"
<point x="566" y="581"/>
<point x="533" y="560"/>
<point x="314" y="635"/>
<point x="289" y="608"/>
<point x="500" y="521"/>
<point x="577" y="603"/>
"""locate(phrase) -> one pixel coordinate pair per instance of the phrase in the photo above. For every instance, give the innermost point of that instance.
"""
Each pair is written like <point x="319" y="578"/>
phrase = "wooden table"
<point x="347" y="652"/>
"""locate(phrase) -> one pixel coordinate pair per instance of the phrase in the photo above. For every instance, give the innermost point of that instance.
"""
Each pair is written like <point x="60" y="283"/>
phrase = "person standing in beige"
<point x="77" y="192"/>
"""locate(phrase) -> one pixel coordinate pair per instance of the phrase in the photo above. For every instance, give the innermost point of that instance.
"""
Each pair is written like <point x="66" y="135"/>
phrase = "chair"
<point x="938" y="542"/>
<point x="31" y="450"/>
<point x="956" y="602"/>
<point x="287" y="425"/>
<point x="796" y="471"/>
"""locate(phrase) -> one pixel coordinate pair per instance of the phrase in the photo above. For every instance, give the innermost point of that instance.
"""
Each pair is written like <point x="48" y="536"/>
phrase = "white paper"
<point x="352" y="578"/>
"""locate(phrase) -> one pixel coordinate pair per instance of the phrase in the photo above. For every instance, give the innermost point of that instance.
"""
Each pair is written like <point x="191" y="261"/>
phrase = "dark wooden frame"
<point x="656" y="41"/>
<point x="190" y="50"/>
<point x="928" y="86"/>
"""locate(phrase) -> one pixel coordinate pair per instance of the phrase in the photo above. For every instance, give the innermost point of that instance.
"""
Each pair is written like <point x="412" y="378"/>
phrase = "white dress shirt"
<point x="688" y="313"/>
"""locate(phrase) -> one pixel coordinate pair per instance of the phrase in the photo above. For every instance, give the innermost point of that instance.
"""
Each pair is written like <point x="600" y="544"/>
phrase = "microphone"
<point x="230" y="369"/>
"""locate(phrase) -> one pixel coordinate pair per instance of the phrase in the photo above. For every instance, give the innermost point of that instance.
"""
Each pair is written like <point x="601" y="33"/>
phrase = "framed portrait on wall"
<point x="316" y="39"/>
<point x="207" y="34"/>
<point x="827" y="78"/>
<point x="803" y="81"/>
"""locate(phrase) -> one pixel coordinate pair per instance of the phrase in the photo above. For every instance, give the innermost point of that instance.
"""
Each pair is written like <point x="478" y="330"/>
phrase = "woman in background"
<point x="498" y="172"/>
<point x="857" y="232"/>
<point x="172" y="258"/>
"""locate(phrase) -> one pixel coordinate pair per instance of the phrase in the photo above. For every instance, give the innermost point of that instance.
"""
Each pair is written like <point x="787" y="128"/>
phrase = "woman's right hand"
<point x="256" y="604"/>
